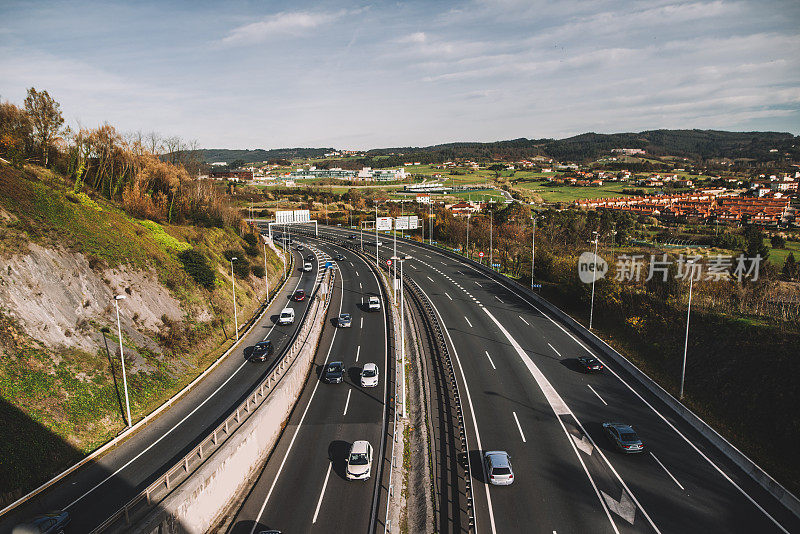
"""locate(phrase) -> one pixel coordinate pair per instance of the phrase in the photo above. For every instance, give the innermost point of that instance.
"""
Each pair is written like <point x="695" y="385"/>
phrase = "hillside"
<point x="64" y="257"/>
<point x="696" y="145"/>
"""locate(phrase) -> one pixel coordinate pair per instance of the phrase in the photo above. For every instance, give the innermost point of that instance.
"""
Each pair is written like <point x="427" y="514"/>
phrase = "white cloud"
<point x="286" y="23"/>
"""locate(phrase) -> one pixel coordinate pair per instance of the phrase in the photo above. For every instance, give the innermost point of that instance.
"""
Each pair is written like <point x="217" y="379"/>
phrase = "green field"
<point x="778" y="256"/>
<point x="566" y="193"/>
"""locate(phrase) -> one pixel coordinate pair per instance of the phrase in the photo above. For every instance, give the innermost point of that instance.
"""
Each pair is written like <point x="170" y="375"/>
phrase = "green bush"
<point x="258" y="271"/>
<point x="196" y="265"/>
<point x="241" y="267"/>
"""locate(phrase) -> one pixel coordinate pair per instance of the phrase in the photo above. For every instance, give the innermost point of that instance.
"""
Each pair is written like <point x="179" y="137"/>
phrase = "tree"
<point x="778" y="241"/>
<point x="45" y="114"/>
<point x="15" y="132"/>
<point x="791" y="269"/>
<point x="754" y="243"/>
<point x="197" y="266"/>
<point x="497" y="169"/>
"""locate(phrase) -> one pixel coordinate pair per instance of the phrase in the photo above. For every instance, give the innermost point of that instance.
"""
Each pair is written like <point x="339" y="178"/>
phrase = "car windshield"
<point x="345" y="316"/>
<point x="286" y="314"/>
<point x="629" y="436"/>
<point x="501" y="471"/>
<point x="334" y="368"/>
<point x="359" y="458"/>
<point x="369" y="372"/>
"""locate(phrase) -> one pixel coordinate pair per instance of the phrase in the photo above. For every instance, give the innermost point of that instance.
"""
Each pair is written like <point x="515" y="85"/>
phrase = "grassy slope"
<point x="67" y="398"/>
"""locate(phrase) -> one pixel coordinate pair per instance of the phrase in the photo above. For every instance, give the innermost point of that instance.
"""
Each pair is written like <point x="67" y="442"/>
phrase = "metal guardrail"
<point x="183" y="469"/>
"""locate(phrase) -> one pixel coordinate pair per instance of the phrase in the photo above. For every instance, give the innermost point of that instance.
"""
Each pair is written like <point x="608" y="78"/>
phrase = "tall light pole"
<point x="491" y="225"/>
<point x="594" y="277"/>
<point x="430" y="219"/>
<point x="466" y="249"/>
<point x="266" y="272"/>
<point x="117" y="298"/>
<point x="533" y="248"/>
<point x="402" y="333"/>
<point x="688" y="312"/>
<point x="377" y="261"/>
<point x="233" y="289"/>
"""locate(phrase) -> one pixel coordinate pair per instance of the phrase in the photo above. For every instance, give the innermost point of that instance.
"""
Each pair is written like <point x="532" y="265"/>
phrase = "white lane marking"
<point x="360" y="286"/>
<point x="598" y="395"/>
<point x="357" y="274"/>
<point x="560" y="408"/>
<point x="555" y="350"/>
<point x="322" y="494"/>
<point x="498" y="299"/>
<point x="490" y="360"/>
<point x="471" y="413"/>
<point x="623" y="508"/>
<point x="358" y="351"/>
<point x="583" y="444"/>
<point x="478" y="284"/>
<point x="448" y="296"/>
<point x="412" y="266"/>
<point x="469" y="323"/>
<point x="362" y="323"/>
<point x="297" y="431"/>
<point x="351" y="264"/>
<point x="523" y="320"/>
<point x="431" y="279"/>
<point x="115" y="473"/>
<point x="347" y="402"/>
<point x="519" y="426"/>
<point x="675" y="480"/>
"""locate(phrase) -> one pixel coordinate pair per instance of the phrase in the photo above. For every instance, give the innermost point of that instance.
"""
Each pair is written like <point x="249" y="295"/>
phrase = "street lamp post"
<point x="401" y="260"/>
<point x="688" y="313"/>
<point x="533" y="248"/>
<point x="266" y="272"/>
<point x="377" y="261"/>
<point x="491" y="224"/>
<point x="430" y="220"/>
<point x="117" y="298"/>
<point x="467" y="247"/>
<point x="594" y="277"/>
<point x="233" y="289"/>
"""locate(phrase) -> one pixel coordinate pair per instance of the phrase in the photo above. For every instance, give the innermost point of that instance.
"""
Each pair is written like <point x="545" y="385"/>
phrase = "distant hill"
<point x="210" y="155"/>
<point x="697" y="145"/>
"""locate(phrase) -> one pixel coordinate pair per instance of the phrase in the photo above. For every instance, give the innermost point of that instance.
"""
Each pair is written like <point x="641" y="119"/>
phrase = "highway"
<point x="93" y="492"/>
<point x="524" y="394"/>
<point x="302" y="487"/>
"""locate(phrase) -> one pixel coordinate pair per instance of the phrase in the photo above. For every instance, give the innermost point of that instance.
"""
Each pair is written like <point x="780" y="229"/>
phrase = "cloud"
<point x="286" y="23"/>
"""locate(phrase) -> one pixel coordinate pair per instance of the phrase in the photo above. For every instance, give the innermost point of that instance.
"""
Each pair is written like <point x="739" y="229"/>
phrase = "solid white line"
<point x="347" y="402"/>
<point x="490" y="360"/>
<point x="675" y="480"/>
<point x="471" y="412"/>
<point x="297" y="430"/>
<point x="469" y="323"/>
<point x="431" y="279"/>
<point x="523" y="320"/>
<point x="519" y="426"/>
<point x="448" y="296"/>
<point x="358" y="351"/>
<point x="322" y="494"/>
<point x="598" y="395"/>
<point x="554" y="350"/>
<point x="115" y="473"/>
<point x="498" y="299"/>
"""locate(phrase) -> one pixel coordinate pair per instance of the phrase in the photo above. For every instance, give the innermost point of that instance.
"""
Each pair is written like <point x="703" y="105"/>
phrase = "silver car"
<point x="498" y="468"/>
<point x="345" y="320"/>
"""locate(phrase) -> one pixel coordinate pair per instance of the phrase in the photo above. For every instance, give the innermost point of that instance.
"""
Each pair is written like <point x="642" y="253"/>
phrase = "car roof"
<point x="263" y="343"/>
<point x="370" y="366"/>
<point x="287" y="310"/>
<point x="498" y="458"/>
<point x="344" y="315"/>
<point x="335" y="363"/>
<point x="360" y="446"/>
<point x="621" y="426"/>
<point x="373" y="297"/>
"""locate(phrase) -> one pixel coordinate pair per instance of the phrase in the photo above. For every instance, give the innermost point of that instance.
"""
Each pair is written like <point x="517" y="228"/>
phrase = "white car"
<point x="369" y="375"/>
<point x="307" y="267"/>
<point x="373" y="303"/>
<point x="359" y="461"/>
<point x="286" y="316"/>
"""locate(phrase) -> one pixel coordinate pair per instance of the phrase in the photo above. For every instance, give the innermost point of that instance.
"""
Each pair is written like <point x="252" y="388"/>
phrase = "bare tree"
<point x="45" y="114"/>
<point x="153" y="143"/>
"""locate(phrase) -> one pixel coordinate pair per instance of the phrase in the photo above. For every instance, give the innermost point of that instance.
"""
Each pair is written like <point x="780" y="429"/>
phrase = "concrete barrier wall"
<point x="196" y="505"/>
<point x="789" y="500"/>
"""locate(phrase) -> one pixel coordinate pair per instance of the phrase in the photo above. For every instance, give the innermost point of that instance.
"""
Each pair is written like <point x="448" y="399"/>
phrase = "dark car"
<point x="338" y="257"/>
<point x="345" y="320"/>
<point x="262" y="350"/>
<point x="299" y="247"/>
<point x="52" y="523"/>
<point x="589" y="364"/>
<point x="334" y="373"/>
<point x="299" y="295"/>
<point x="624" y="437"/>
<point x="310" y="257"/>
<point x="352" y="236"/>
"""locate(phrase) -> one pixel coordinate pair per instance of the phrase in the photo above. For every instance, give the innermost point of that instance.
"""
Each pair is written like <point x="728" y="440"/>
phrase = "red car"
<point x="299" y="295"/>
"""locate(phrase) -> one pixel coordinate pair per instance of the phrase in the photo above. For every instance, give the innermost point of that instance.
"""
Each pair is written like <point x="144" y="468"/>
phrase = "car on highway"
<point x="50" y="523"/>
<point x="359" y="461"/>
<point x="299" y="295"/>
<point x="338" y="257"/>
<point x="334" y="373"/>
<point x="344" y="320"/>
<point x="262" y="350"/>
<point x="352" y="236"/>
<point x="373" y="303"/>
<point x="624" y="437"/>
<point x="310" y="257"/>
<point x="498" y="468"/>
<point x="369" y="375"/>
<point x="286" y="316"/>
<point x="300" y="247"/>
<point x="589" y="364"/>
<point x="307" y="267"/>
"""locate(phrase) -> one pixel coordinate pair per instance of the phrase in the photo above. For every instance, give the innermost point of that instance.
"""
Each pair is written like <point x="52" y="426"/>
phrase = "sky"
<point x="357" y="75"/>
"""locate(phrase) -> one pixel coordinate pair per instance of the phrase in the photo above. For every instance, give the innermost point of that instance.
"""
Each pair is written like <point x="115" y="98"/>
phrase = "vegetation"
<point x="197" y="267"/>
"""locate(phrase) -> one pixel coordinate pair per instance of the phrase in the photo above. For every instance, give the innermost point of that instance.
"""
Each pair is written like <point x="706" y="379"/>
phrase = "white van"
<point x="307" y="267"/>
<point x="287" y="316"/>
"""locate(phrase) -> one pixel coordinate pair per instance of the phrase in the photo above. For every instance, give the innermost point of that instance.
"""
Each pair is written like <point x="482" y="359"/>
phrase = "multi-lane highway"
<point x="303" y="488"/>
<point x="524" y="394"/>
<point x="93" y="492"/>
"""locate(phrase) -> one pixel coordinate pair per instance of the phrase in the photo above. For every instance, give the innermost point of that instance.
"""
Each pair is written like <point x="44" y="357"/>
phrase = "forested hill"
<point x="693" y="144"/>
